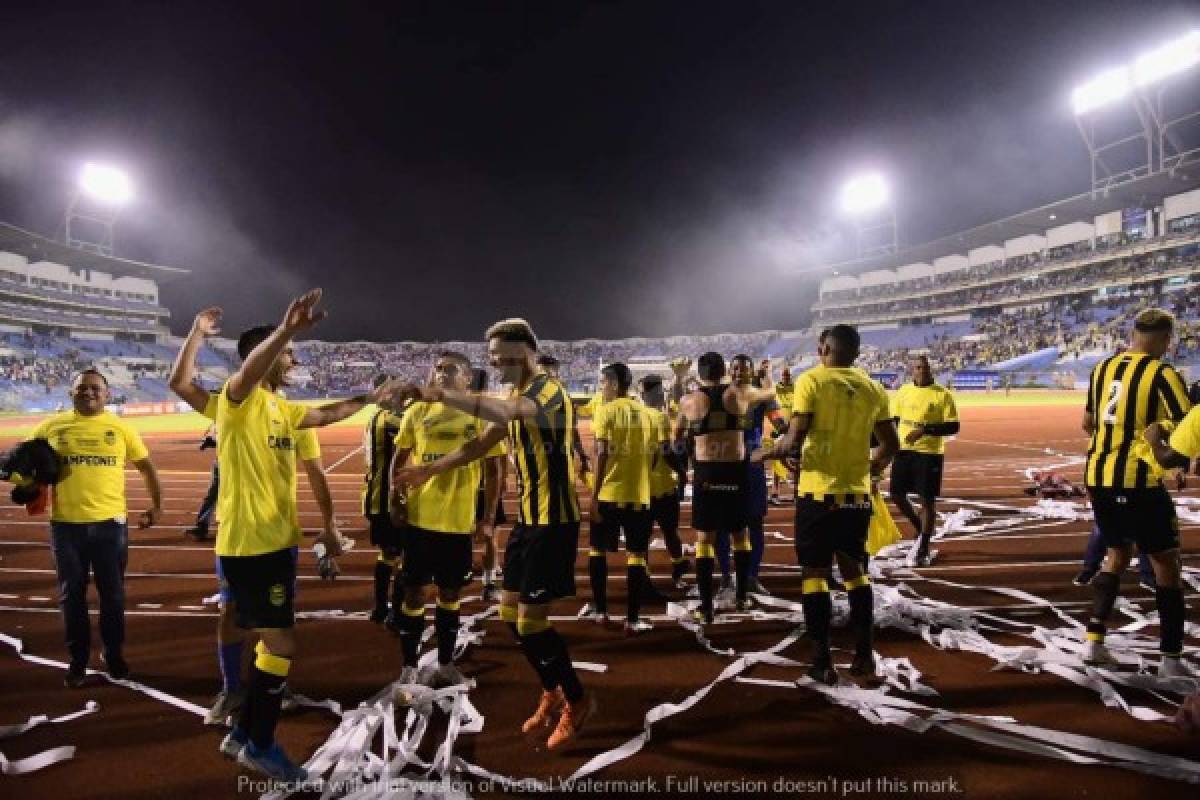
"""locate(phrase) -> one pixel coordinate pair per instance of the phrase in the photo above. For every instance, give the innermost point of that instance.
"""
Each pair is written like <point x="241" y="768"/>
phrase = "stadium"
<point x="980" y="682"/>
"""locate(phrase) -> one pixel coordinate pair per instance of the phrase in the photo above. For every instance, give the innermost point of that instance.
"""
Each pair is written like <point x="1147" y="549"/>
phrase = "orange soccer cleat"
<point x="550" y="703"/>
<point x="574" y="716"/>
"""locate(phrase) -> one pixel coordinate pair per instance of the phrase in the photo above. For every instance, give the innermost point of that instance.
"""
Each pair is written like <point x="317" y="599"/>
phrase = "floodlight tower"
<point x="100" y="194"/>
<point x="1159" y="141"/>
<point x="866" y="200"/>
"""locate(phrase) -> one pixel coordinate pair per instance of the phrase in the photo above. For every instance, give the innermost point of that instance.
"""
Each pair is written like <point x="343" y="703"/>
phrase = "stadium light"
<point x="106" y="184"/>
<point x="1105" y="88"/>
<point x="1171" y="58"/>
<point x="864" y="193"/>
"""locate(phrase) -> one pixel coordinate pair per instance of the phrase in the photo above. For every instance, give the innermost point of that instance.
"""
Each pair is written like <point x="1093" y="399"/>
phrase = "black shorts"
<point x="664" y="509"/>
<point x="263" y="588"/>
<point x="637" y="524"/>
<point x="825" y="527"/>
<point x="385" y="535"/>
<point x="917" y="473"/>
<point x="479" y="500"/>
<point x="1145" y="517"/>
<point x="539" y="561"/>
<point x="435" y="557"/>
<point x="719" y="501"/>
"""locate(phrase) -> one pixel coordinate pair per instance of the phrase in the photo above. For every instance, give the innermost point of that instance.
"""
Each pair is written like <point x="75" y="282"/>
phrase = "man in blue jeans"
<point x="88" y="528"/>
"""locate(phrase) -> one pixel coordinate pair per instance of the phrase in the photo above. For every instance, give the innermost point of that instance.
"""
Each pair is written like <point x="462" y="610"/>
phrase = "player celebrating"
<point x="1127" y="393"/>
<point x="741" y="373"/>
<point x="925" y="413"/>
<point x="780" y="473"/>
<point x="231" y="639"/>
<point x="379" y="446"/>
<point x="667" y="479"/>
<point x="441" y="519"/>
<point x="259" y="527"/>
<point x="837" y="408"/>
<point x="714" y="416"/>
<point x="626" y="449"/>
<point x="539" y="559"/>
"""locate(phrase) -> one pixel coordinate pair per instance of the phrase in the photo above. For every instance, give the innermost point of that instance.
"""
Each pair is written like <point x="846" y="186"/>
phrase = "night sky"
<point x="609" y="169"/>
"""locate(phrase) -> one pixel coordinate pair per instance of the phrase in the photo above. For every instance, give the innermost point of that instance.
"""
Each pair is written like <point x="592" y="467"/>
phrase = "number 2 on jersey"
<point x="1114" y="397"/>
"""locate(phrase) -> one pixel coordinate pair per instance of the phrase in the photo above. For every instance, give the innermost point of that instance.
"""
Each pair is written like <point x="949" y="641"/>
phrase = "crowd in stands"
<point x="1076" y="326"/>
<point x="1078" y="279"/>
<point x="336" y="368"/>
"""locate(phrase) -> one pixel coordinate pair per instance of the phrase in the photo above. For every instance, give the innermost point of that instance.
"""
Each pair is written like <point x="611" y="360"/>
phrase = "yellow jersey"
<point x="662" y="477"/>
<point x="379" y="445"/>
<point x="256" y="451"/>
<point x="914" y="405"/>
<point x="589" y="408"/>
<point x="1126" y="393"/>
<point x="308" y="446"/>
<point x="543" y="449"/>
<point x="92" y="452"/>
<point x="785" y="394"/>
<point x="1185" y="438"/>
<point x="844" y="404"/>
<point x="446" y="502"/>
<point x="632" y="439"/>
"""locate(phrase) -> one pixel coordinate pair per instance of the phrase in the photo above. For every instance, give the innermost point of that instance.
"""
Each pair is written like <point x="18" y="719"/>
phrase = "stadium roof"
<point x="1146" y="192"/>
<point x="38" y="248"/>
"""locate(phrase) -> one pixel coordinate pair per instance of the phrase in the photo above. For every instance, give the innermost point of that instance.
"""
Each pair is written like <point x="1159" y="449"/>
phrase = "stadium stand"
<point x="1032" y="308"/>
<point x="989" y="309"/>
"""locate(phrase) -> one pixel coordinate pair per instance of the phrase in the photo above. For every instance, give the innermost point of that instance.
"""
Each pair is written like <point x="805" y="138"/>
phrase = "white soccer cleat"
<point x="637" y="627"/>
<point x="445" y="675"/>
<point x="225" y="706"/>
<point x="233" y="743"/>
<point x="1173" y="667"/>
<point x="1096" y="654"/>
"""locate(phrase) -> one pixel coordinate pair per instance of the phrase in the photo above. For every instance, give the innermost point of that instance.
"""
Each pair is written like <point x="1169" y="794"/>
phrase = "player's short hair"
<point x="1154" y="320"/>
<point x="380" y="380"/>
<point x="651" y="382"/>
<point x="454" y="355"/>
<point x="711" y="366"/>
<point x="91" y="371"/>
<point x="844" y="339"/>
<point x="743" y="357"/>
<point x="513" y="329"/>
<point x="918" y="357"/>
<point x="619" y="373"/>
<point x="252" y="338"/>
<point x="546" y="360"/>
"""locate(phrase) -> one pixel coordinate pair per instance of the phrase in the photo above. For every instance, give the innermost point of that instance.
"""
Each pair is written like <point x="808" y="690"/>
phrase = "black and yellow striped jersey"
<point x="1126" y="393"/>
<point x="379" y="444"/>
<point x="542" y="447"/>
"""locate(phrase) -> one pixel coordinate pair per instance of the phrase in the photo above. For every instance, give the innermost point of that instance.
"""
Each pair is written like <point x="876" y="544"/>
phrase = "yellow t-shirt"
<point x="916" y="404"/>
<point x="308" y="446"/>
<point x="785" y="393"/>
<point x="593" y="404"/>
<point x="632" y="440"/>
<point x="92" y="452"/>
<point x="256" y="451"/>
<point x="1185" y="439"/>
<point x="662" y="477"/>
<point x="845" y="404"/>
<point x="445" y="503"/>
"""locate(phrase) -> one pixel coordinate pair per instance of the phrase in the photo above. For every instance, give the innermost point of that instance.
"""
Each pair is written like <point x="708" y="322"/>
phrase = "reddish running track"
<point x="137" y="747"/>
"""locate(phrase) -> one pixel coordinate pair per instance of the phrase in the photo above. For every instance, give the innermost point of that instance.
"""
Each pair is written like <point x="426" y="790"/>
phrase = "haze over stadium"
<point x="992" y="209"/>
